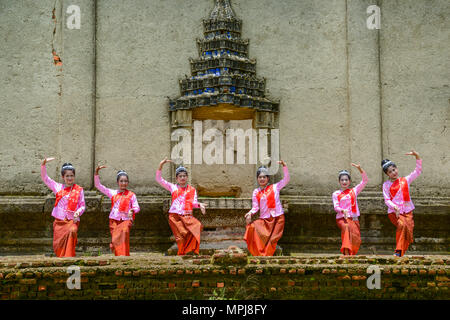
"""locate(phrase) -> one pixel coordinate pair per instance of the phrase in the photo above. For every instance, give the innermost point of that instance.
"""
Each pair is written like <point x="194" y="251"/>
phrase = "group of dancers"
<point x="261" y="235"/>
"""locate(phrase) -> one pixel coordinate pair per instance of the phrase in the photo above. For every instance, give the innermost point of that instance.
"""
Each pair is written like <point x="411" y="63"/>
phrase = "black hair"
<point x="179" y="170"/>
<point x="262" y="169"/>
<point x="344" y="173"/>
<point x="121" y="173"/>
<point x="67" y="166"/>
<point x="385" y="165"/>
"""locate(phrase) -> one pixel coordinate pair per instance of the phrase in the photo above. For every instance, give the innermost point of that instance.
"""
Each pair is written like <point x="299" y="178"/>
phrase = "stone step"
<point x="208" y="248"/>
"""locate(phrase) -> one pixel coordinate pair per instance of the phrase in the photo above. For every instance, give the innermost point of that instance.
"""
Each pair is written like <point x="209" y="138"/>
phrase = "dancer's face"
<point x="263" y="180"/>
<point x="182" y="178"/>
<point x="392" y="172"/>
<point x="123" y="183"/>
<point x="344" y="181"/>
<point x="68" y="177"/>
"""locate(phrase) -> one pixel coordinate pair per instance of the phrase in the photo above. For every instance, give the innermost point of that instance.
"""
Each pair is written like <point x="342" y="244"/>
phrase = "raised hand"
<point x="413" y="153"/>
<point x="44" y="162"/>
<point x="357" y="166"/>
<point x="282" y="163"/>
<point x="98" y="169"/>
<point x="163" y="163"/>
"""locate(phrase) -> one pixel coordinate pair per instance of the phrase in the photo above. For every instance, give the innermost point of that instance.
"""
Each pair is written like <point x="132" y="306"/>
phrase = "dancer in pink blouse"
<point x="69" y="206"/>
<point x="262" y="235"/>
<point x="124" y="206"/>
<point x="185" y="227"/>
<point x="399" y="203"/>
<point x="347" y="212"/>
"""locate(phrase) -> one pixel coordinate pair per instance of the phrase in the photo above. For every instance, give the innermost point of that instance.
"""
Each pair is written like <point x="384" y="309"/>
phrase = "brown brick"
<point x="220" y="284"/>
<point x="103" y="262"/>
<point x="27" y="281"/>
<point x="10" y="276"/>
<point x="439" y="278"/>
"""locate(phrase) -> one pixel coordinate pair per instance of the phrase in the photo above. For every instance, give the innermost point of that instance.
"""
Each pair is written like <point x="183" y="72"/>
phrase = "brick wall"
<point x="230" y="275"/>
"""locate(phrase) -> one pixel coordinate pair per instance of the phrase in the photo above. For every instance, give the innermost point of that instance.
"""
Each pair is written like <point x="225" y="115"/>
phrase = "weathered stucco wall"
<point x="348" y="94"/>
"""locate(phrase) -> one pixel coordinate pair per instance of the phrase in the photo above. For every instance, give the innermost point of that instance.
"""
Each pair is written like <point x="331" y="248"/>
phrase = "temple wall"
<point x="347" y="93"/>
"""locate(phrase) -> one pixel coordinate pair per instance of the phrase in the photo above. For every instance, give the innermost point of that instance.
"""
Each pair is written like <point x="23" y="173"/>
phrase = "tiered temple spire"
<point x="223" y="73"/>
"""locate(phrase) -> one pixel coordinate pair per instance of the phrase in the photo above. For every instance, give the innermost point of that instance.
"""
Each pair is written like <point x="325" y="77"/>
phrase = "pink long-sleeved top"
<point x="404" y="206"/>
<point x="60" y="212"/>
<point x="266" y="212"/>
<point x="177" y="205"/>
<point x="115" y="214"/>
<point x="346" y="203"/>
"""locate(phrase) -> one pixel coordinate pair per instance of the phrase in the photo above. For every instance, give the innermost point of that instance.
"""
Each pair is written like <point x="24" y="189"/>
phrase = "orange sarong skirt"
<point x="262" y="235"/>
<point x="186" y="229"/>
<point x="350" y="235"/>
<point x="120" y="236"/>
<point x="65" y="237"/>
<point x="405" y="226"/>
